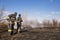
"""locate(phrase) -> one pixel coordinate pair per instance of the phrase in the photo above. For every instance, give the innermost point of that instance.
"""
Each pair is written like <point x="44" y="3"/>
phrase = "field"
<point x="52" y="33"/>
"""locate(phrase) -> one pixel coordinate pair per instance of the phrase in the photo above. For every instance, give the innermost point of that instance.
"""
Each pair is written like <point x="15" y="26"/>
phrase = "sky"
<point x="40" y="9"/>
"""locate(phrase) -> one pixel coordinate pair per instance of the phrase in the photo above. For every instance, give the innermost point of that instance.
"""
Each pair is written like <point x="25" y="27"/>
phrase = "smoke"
<point x="30" y="22"/>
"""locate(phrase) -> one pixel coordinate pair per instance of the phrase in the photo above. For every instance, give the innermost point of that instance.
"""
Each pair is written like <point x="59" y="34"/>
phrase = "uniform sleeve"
<point x="10" y="15"/>
<point x="7" y="18"/>
<point x="21" y="20"/>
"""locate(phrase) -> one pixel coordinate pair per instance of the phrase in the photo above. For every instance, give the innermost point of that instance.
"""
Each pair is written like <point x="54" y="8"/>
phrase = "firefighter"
<point x="12" y="19"/>
<point x="19" y="23"/>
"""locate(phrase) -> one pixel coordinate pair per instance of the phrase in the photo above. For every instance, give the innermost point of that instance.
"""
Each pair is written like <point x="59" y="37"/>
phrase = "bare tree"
<point x="47" y="23"/>
<point x="59" y="24"/>
<point x="54" y="23"/>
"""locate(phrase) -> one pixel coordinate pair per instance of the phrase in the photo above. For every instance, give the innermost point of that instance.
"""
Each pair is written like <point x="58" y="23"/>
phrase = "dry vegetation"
<point x="34" y="34"/>
<point x="54" y="23"/>
<point x="51" y="32"/>
<point x="3" y="27"/>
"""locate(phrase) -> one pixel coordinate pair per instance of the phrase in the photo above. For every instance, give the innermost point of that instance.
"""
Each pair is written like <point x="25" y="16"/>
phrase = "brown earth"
<point x="34" y="34"/>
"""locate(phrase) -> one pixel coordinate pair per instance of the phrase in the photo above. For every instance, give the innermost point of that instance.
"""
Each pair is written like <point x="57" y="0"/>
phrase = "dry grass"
<point x="3" y="27"/>
<point x="34" y="34"/>
<point x="46" y="33"/>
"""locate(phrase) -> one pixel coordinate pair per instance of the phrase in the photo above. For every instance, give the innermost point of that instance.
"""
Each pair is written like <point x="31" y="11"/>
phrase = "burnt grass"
<point x="33" y="34"/>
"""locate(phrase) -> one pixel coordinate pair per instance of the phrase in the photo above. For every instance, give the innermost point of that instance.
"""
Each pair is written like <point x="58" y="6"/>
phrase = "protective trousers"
<point x="18" y="27"/>
<point x="12" y="28"/>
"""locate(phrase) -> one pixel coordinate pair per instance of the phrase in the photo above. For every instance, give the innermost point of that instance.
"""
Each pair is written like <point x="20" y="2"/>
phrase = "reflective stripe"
<point x="9" y="30"/>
